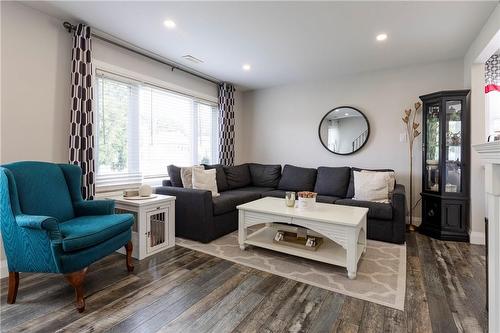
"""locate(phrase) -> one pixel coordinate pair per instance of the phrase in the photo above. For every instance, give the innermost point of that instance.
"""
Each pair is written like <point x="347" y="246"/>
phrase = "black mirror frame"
<point x="343" y="107"/>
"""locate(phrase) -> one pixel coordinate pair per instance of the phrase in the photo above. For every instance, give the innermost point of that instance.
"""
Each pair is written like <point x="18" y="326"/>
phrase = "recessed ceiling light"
<point x="246" y="67"/>
<point x="346" y="114"/>
<point x="169" y="24"/>
<point x="381" y="37"/>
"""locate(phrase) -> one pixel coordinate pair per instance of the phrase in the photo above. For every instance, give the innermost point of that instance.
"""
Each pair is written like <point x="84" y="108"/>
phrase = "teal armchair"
<point x="47" y="227"/>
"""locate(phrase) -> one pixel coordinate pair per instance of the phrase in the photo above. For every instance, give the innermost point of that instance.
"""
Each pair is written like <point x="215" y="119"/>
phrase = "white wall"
<point x="281" y="124"/>
<point x="478" y="135"/>
<point x="35" y="60"/>
<point x="485" y="44"/>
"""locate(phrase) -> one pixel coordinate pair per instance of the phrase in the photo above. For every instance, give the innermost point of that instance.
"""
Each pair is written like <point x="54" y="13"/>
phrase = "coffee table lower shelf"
<point x="329" y="252"/>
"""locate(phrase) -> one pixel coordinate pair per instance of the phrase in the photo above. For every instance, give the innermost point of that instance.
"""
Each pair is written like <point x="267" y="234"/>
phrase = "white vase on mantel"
<point x="489" y="153"/>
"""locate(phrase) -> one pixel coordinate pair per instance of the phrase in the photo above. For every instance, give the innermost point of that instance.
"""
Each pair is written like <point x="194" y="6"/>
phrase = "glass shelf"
<point x="453" y="165"/>
<point x="432" y="149"/>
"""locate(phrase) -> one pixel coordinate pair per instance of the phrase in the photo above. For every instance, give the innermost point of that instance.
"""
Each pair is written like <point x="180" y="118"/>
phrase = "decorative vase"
<point x="307" y="200"/>
<point x="145" y="190"/>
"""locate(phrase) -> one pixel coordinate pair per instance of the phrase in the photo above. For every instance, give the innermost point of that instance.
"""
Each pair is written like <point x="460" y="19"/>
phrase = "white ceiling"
<point x="287" y="42"/>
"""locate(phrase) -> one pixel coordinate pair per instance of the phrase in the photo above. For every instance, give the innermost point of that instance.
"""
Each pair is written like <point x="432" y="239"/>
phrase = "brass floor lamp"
<point x="412" y="132"/>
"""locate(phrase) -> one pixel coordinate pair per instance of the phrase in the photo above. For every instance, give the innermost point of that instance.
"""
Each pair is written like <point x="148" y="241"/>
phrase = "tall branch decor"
<point x="412" y="132"/>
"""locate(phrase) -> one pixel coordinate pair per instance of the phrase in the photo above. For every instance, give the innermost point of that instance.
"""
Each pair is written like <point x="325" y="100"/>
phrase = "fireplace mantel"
<point x="489" y="152"/>
<point x="490" y="155"/>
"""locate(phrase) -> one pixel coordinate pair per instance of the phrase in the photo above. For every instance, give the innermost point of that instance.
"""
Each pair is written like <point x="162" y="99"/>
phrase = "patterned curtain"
<point x="492" y="74"/>
<point x="226" y="124"/>
<point x="81" y="140"/>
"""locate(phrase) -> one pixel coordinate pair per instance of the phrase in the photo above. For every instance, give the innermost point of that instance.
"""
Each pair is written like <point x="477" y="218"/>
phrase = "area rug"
<point x="381" y="276"/>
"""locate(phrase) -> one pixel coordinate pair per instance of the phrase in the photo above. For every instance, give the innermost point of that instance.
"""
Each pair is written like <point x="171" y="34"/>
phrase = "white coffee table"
<point x="343" y="229"/>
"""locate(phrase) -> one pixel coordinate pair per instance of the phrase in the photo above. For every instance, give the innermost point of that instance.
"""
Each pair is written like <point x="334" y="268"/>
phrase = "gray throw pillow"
<point x="174" y="173"/>
<point x="265" y="175"/>
<point x="238" y="176"/>
<point x="297" y="179"/>
<point x="333" y="181"/>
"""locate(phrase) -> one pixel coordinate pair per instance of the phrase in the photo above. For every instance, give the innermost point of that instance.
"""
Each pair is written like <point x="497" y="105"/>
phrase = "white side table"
<point x="154" y="223"/>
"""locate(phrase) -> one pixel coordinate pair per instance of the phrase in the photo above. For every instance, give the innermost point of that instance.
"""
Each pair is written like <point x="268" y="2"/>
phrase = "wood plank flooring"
<point x="180" y="290"/>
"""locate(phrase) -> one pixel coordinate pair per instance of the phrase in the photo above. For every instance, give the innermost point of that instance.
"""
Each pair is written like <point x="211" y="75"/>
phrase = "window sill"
<point x="116" y="189"/>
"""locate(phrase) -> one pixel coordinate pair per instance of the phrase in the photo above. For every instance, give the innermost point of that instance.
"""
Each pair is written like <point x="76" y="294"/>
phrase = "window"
<point x="143" y="128"/>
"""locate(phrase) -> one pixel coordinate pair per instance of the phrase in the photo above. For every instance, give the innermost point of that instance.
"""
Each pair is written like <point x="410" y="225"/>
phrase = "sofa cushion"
<point x="238" y="176"/>
<point x="274" y="194"/>
<point x="254" y="189"/>
<point x="350" y="189"/>
<point x="228" y="200"/>
<point x="220" y="176"/>
<point x="376" y="210"/>
<point x="174" y="173"/>
<point x="86" y="231"/>
<point x="327" y="199"/>
<point x="265" y="175"/>
<point x="297" y="179"/>
<point x="332" y="181"/>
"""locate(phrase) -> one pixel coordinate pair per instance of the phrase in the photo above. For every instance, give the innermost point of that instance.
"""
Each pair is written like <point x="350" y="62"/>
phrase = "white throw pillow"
<point x="371" y="186"/>
<point x="391" y="179"/>
<point x="187" y="175"/>
<point x="205" y="180"/>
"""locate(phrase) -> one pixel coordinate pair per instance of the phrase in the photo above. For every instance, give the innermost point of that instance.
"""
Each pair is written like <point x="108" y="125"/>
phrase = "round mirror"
<point x="344" y="130"/>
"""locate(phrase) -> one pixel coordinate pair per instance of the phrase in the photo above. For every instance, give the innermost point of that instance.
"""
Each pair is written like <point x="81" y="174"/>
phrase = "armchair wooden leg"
<point x="13" y="286"/>
<point x="75" y="279"/>
<point x="128" y="248"/>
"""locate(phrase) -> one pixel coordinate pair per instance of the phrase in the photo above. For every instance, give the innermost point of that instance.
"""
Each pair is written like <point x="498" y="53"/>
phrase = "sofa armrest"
<point x="193" y="212"/>
<point x="94" y="207"/>
<point x="399" y="213"/>
<point x="37" y="222"/>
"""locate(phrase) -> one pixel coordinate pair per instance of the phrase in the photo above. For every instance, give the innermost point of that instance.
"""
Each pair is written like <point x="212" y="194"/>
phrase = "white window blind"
<point x="142" y="128"/>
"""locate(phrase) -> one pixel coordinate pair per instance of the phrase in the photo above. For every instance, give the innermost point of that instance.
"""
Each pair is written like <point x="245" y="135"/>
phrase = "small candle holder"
<point x="290" y="199"/>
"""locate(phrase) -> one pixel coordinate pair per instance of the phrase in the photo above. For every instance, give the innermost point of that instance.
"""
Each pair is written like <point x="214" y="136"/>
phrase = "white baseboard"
<point x="478" y="238"/>
<point x="4" y="271"/>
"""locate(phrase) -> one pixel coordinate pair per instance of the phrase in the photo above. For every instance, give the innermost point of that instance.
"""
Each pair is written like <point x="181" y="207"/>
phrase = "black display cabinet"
<point x="446" y="165"/>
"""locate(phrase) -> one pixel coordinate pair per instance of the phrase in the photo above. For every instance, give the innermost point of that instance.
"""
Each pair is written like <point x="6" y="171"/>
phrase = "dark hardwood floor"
<point x="180" y="290"/>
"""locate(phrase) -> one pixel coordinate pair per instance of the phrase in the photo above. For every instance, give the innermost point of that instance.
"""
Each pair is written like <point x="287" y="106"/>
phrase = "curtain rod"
<point x="70" y="27"/>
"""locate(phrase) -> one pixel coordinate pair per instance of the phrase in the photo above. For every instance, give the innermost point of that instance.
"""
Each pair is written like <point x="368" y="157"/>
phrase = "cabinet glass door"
<point x="432" y="149"/>
<point x="453" y="153"/>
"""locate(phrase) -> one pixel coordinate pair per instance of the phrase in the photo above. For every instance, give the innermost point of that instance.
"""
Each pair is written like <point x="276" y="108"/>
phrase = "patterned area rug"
<point x="381" y="276"/>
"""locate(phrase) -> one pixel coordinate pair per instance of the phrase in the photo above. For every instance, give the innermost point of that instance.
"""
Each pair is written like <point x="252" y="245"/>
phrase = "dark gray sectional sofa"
<point x="200" y="217"/>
